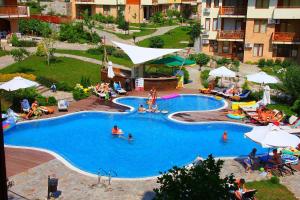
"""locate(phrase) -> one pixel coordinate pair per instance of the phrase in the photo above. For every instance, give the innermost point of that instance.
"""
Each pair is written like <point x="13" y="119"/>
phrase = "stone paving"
<point x="5" y="61"/>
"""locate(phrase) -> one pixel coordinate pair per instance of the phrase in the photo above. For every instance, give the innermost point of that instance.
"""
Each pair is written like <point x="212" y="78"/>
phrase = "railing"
<point x="85" y="1"/>
<point x="13" y="11"/>
<point x="232" y="10"/>
<point x="189" y="1"/>
<point x="231" y="34"/>
<point x="52" y="19"/>
<point x="227" y="55"/>
<point x="286" y="37"/>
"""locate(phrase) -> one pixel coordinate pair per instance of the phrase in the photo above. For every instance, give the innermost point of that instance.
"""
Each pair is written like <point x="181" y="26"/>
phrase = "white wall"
<point x="254" y="13"/>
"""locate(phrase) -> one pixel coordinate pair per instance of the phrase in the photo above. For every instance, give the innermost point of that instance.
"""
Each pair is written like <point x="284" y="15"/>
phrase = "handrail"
<point x="231" y="34"/>
<point x="12" y="11"/>
<point x="233" y="10"/>
<point x="86" y="1"/>
<point x="286" y="37"/>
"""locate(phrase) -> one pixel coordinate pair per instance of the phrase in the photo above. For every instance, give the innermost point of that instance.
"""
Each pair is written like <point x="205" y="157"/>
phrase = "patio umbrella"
<point x="110" y="71"/>
<point x="18" y="83"/>
<point x="222" y="72"/>
<point x="266" y="97"/>
<point x="272" y="136"/>
<point x="173" y="61"/>
<point x="261" y="78"/>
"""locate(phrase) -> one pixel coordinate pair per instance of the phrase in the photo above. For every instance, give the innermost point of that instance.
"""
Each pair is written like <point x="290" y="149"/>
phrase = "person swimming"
<point x="130" y="137"/>
<point x="141" y="108"/>
<point x="116" y="131"/>
<point x="225" y="136"/>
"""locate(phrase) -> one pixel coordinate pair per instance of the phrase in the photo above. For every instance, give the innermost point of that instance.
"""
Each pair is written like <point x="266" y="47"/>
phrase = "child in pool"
<point x="116" y="131"/>
<point x="225" y="136"/>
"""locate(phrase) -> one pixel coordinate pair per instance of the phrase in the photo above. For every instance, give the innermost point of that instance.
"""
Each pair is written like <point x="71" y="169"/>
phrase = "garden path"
<point x="194" y="78"/>
<point x="6" y="60"/>
<point x="158" y="32"/>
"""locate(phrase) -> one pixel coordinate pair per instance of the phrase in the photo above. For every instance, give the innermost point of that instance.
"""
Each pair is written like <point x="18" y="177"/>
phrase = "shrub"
<point x="278" y="62"/>
<point x="286" y="63"/>
<point x="270" y="62"/>
<point x="41" y="50"/>
<point x="274" y="180"/>
<point x="156" y="42"/>
<point x="204" y="75"/>
<point x="245" y="85"/>
<point x="7" y="77"/>
<point x="186" y="75"/>
<point x="85" y="81"/>
<point x="27" y="43"/>
<point x="157" y="18"/>
<point x="296" y="106"/>
<point x="119" y="54"/>
<point x="291" y="81"/>
<point x="223" y="61"/>
<point x="79" y="93"/>
<point x="19" y="54"/>
<point x="202" y="59"/>
<point x="235" y="65"/>
<point x="14" y="40"/>
<point x="100" y="50"/>
<point x="256" y="95"/>
<point x="33" y="26"/>
<point x="261" y="62"/>
<point x="48" y="82"/>
<point x="46" y="101"/>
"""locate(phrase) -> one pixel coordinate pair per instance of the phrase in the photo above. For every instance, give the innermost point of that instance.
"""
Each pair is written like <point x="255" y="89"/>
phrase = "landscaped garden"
<point x="3" y="53"/>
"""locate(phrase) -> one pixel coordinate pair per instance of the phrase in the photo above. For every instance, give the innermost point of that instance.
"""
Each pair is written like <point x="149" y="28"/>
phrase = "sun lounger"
<point x="25" y="105"/>
<point x="62" y="105"/>
<point x="118" y="88"/>
<point x="244" y="95"/>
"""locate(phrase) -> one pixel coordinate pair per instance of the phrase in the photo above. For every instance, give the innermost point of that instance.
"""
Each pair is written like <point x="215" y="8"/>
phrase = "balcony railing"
<point x="232" y="10"/>
<point x="286" y="37"/>
<point x="189" y="1"/>
<point x="231" y="35"/>
<point x="14" y="11"/>
<point x="85" y="1"/>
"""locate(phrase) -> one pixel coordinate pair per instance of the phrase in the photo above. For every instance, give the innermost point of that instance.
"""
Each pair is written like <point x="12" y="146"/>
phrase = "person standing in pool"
<point x="130" y="137"/>
<point x="225" y="136"/>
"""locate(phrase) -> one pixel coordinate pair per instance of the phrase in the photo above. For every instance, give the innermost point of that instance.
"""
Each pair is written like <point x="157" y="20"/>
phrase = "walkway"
<point x="194" y="78"/>
<point x="160" y="31"/>
<point x="6" y="60"/>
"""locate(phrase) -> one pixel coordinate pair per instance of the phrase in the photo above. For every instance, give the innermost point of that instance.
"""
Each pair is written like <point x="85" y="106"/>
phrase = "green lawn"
<point x="286" y="109"/>
<point x="151" y="25"/>
<point x="266" y="190"/>
<point x="3" y="53"/>
<point x="272" y="71"/>
<point x="143" y="32"/>
<point x="172" y="38"/>
<point x="121" y="61"/>
<point x="66" y="70"/>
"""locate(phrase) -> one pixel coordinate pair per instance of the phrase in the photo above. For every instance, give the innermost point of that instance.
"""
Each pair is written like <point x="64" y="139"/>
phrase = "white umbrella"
<point x="272" y="136"/>
<point x="261" y="77"/>
<point x="110" y="71"/>
<point x="266" y="97"/>
<point x="18" y="83"/>
<point x="222" y="72"/>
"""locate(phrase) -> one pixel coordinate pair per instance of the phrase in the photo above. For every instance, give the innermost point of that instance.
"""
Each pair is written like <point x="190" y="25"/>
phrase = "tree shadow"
<point x="149" y="195"/>
<point x="25" y="70"/>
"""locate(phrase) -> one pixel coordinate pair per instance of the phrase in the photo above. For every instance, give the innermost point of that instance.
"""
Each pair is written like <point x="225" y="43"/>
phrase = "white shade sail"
<point x="222" y="72"/>
<point x="140" y="55"/>
<point x="272" y="136"/>
<point x="18" y="83"/>
<point x="110" y="71"/>
<point x="261" y="77"/>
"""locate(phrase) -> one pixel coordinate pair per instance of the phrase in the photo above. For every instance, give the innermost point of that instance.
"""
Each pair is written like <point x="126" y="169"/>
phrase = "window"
<point x="215" y="24"/>
<point x="213" y="46"/>
<point x="258" y="50"/>
<point x="262" y="4"/>
<point x="216" y="3"/>
<point x="225" y="47"/>
<point x="260" y="26"/>
<point x="285" y="50"/>
<point x="208" y="3"/>
<point x="106" y="9"/>
<point x="207" y="24"/>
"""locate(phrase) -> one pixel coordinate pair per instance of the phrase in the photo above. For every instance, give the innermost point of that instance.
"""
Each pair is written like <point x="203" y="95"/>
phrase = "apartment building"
<point x="249" y="30"/>
<point x="135" y="11"/>
<point x="10" y="13"/>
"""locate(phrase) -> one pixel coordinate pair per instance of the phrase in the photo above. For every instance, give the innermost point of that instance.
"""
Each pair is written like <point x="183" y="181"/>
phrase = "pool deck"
<point x="29" y="169"/>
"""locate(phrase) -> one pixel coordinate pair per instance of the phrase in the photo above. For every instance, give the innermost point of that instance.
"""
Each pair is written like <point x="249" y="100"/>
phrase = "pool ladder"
<point x="110" y="174"/>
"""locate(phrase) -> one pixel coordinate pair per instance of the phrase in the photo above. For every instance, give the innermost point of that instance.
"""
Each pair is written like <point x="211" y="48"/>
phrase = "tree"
<point x="49" y="43"/>
<point x="291" y="81"/>
<point x="156" y="42"/>
<point x="202" y="181"/>
<point x="88" y="22"/>
<point x="196" y="30"/>
<point x="122" y="24"/>
<point x="19" y="54"/>
<point x="202" y="59"/>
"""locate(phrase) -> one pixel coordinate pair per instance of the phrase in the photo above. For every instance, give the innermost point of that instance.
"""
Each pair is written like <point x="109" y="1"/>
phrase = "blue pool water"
<point x="85" y="141"/>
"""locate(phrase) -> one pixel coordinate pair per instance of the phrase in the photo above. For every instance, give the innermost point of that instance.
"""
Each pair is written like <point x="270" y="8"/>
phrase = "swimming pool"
<point x="84" y="140"/>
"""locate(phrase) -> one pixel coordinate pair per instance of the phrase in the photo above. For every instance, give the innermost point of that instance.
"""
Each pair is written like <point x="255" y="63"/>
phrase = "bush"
<point x="79" y="94"/>
<point x="14" y="40"/>
<point x="19" y="54"/>
<point x="33" y="26"/>
<point x="119" y="54"/>
<point x="46" y="101"/>
<point x="157" y="18"/>
<point x="256" y="96"/>
<point x="278" y="62"/>
<point x="27" y="43"/>
<point x="110" y="50"/>
<point x="223" y="61"/>
<point x="186" y="75"/>
<point x="245" y="85"/>
<point x="261" y="62"/>
<point x="41" y="50"/>
<point x="156" y="42"/>
<point x="202" y="59"/>
<point x="85" y="81"/>
<point x="270" y="62"/>
<point x="204" y="75"/>
<point x="296" y="106"/>
<point x="287" y="63"/>
<point x="274" y="180"/>
<point x="48" y="82"/>
<point x="7" y="77"/>
<point x="291" y="81"/>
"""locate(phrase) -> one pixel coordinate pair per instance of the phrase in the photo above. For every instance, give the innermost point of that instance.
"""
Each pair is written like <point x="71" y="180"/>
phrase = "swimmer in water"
<point x="224" y="136"/>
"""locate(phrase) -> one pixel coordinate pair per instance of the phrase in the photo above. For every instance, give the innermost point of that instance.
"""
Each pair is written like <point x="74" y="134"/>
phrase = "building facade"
<point x="135" y="11"/>
<point x="10" y="13"/>
<point x="249" y="30"/>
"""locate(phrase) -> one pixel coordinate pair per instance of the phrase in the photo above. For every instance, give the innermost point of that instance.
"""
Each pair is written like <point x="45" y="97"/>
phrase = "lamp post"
<point x="3" y="178"/>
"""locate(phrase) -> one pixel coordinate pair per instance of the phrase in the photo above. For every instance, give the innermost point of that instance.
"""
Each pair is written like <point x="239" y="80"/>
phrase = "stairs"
<point x="42" y="89"/>
<point x="59" y="95"/>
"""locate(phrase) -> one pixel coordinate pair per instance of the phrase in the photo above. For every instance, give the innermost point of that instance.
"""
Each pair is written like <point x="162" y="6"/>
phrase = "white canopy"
<point x="18" y="83"/>
<point x="261" y="77"/>
<point x="222" y="72"/>
<point x="140" y="55"/>
<point x="110" y="71"/>
<point x="266" y="97"/>
<point x="272" y="136"/>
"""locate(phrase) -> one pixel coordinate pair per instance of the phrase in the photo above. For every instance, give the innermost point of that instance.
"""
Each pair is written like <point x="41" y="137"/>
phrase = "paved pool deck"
<point x="29" y="169"/>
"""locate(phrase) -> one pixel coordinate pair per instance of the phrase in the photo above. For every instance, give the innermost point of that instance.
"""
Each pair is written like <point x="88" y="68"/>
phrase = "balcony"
<point x="283" y="12"/>
<point x="191" y="2"/>
<point x="14" y="11"/>
<point x="231" y="35"/>
<point x="85" y="1"/>
<point x="230" y="11"/>
<point x="286" y="38"/>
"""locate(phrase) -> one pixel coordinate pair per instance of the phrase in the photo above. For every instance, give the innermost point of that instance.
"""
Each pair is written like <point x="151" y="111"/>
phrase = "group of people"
<point x="116" y="131"/>
<point x="104" y="90"/>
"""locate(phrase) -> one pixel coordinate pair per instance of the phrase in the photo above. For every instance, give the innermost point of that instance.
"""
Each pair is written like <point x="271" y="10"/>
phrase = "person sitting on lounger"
<point x="241" y="188"/>
<point x="276" y="159"/>
<point x="34" y="110"/>
<point x="141" y="108"/>
<point x="250" y="161"/>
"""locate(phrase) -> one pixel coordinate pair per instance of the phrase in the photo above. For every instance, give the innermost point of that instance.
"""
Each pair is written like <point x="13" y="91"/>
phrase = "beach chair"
<point x="62" y="105"/>
<point x="243" y="96"/>
<point x="25" y="105"/>
<point x="249" y="195"/>
<point x="118" y="88"/>
<point x="99" y="94"/>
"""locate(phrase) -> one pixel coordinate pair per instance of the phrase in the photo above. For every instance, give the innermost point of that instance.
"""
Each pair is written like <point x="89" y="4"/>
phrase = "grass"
<point x="151" y="25"/>
<point x="66" y="70"/>
<point x="286" y="109"/>
<point x="121" y="61"/>
<point x="273" y="71"/>
<point x="3" y="53"/>
<point x="171" y="39"/>
<point x="266" y="190"/>
<point x="143" y="32"/>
